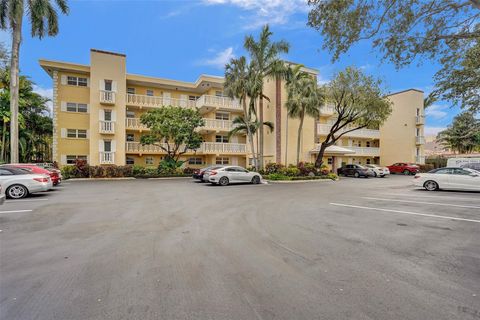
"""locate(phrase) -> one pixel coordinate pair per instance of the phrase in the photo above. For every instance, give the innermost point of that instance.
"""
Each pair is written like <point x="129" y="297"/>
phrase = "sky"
<point x="181" y="39"/>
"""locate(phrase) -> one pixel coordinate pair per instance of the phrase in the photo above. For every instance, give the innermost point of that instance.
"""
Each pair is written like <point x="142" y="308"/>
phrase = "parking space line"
<point x="440" y="196"/>
<point x="404" y="212"/>
<point x="15" y="211"/>
<point x="25" y="200"/>
<point x="433" y="203"/>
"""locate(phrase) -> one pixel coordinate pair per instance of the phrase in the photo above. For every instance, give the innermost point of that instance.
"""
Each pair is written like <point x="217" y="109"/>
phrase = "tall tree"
<point x="403" y="32"/>
<point x="463" y="135"/>
<point x="304" y="99"/>
<point x="264" y="54"/>
<point x="358" y="102"/>
<point x="44" y="21"/>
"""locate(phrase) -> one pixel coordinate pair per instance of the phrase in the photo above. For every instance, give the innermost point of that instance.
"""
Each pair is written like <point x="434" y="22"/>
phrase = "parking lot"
<point x="178" y="249"/>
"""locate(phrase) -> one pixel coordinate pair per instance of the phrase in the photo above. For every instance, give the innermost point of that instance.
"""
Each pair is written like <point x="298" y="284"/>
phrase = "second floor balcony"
<point x="205" y="148"/>
<point x="106" y="127"/>
<point x="210" y="125"/>
<point x="107" y="157"/>
<point x="419" y="120"/>
<point x="107" y="97"/>
<point x="420" y="140"/>
<point x="324" y="129"/>
<point x="365" y="151"/>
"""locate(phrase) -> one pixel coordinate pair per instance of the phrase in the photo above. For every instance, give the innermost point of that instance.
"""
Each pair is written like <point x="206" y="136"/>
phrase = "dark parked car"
<point x="405" y="168"/>
<point x="198" y="173"/>
<point x="355" y="170"/>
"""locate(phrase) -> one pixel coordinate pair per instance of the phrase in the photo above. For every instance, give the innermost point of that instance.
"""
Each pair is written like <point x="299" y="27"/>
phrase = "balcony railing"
<point x="107" y="97"/>
<point x="420" y="140"/>
<point x="218" y="102"/>
<point x="107" y="127"/>
<point x="215" y="124"/>
<point x="324" y="129"/>
<point x="135" y="124"/>
<point x="420" y="120"/>
<point x="206" y="147"/>
<point x="365" y="151"/>
<point x="157" y="102"/>
<point x="327" y="109"/>
<point x="107" y="157"/>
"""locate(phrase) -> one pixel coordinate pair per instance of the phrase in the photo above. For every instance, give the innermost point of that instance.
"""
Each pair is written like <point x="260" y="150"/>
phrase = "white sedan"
<point x="18" y="183"/>
<point x="233" y="174"/>
<point x="449" y="178"/>
<point x="378" y="171"/>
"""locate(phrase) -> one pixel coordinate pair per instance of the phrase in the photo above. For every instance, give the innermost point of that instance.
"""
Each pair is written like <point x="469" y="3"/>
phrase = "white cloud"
<point x="220" y="59"/>
<point x="432" y="131"/>
<point x="436" y="111"/>
<point x="273" y="12"/>
<point x="47" y="93"/>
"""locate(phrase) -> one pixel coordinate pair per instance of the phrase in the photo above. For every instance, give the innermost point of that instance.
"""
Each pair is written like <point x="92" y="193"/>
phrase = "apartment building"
<point x="97" y="108"/>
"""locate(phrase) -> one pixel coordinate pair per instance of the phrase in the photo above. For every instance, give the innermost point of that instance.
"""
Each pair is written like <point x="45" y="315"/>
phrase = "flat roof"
<point x="403" y="91"/>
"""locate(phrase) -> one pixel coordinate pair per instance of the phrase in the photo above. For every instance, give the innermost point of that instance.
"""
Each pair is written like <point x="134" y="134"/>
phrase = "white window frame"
<point x="150" y="93"/>
<point x="130" y="159"/>
<point x="131" y="90"/>
<point x="75" y="133"/>
<point x="222" y="160"/>
<point x="75" y="158"/>
<point x="222" y="115"/>
<point x="222" y="138"/>
<point x="149" y="160"/>
<point x="195" y="161"/>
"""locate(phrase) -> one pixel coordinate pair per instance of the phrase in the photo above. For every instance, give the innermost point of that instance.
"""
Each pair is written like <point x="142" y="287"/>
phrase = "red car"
<point x="54" y="174"/>
<point x="405" y="168"/>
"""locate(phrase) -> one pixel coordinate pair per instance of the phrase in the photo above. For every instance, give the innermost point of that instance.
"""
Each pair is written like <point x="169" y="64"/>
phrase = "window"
<point x="131" y="90"/>
<point x="76" y="107"/>
<point x="222" y="160"/>
<point x="219" y="93"/>
<point x="77" y="133"/>
<point x="108" y="85"/>
<point x="222" y="116"/>
<point x="368" y="161"/>
<point x="71" y="159"/>
<point x="107" y="145"/>
<point x="107" y="115"/>
<point x="4" y="172"/>
<point x="444" y="171"/>
<point x="148" y="160"/>
<point x="76" y="81"/>
<point x="130" y="114"/>
<point x="368" y="144"/>
<point x="130" y="160"/>
<point x="417" y="132"/>
<point x="192" y="98"/>
<point x="150" y="93"/>
<point x="222" y="139"/>
<point x="195" y="160"/>
<point x="330" y="161"/>
<point x="461" y="172"/>
<point x="130" y="137"/>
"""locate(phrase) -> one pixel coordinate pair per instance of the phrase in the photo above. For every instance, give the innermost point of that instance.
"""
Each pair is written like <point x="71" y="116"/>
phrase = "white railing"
<point x="420" y="140"/>
<point x="218" y="124"/>
<point x="217" y="147"/>
<point x="157" y="101"/>
<point x="323" y="129"/>
<point x="107" y="97"/>
<point x="107" y="126"/>
<point x="147" y="148"/>
<point x="420" y="119"/>
<point x="135" y="123"/>
<point x="365" y="151"/>
<point x="420" y="159"/>
<point x="221" y="102"/>
<point x="327" y="109"/>
<point x="107" y="157"/>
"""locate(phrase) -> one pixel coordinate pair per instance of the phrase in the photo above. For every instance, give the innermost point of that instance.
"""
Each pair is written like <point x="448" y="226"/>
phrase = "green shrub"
<point x="138" y="170"/>
<point x="169" y="166"/>
<point x="68" y="172"/>
<point x="332" y="176"/>
<point x="426" y="167"/>
<point x="291" y="171"/>
<point x="273" y="168"/>
<point x="150" y="171"/>
<point x="277" y="176"/>
<point x="188" y="170"/>
<point x="307" y="169"/>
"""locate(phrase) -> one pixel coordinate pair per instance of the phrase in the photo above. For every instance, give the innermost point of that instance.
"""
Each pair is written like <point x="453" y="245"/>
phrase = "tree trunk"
<point x="14" y="87"/>
<point x="299" y="138"/>
<point x="4" y="147"/>
<point x="249" y="134"/>
<point x="278" y="120"/>
<point x="260" y="131"/>
<point x="321" y="152"/>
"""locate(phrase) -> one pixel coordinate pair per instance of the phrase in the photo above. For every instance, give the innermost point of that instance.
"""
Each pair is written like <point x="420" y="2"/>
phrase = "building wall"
<point x="398" y="133"/>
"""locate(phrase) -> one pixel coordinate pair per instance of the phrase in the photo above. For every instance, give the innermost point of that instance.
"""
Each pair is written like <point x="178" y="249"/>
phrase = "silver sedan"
<point x="233" y="174"/>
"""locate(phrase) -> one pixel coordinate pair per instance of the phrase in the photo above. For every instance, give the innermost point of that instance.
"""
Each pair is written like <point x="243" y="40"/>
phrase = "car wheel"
<point x="223" y="181"/>
<point x="406" y="172"/>
<point x="430" y="185"/>
<point x="356" y="175"/>
<point x="16" y="191"/>
<point x="374" y="174"/>
<point x="256" y="180"/>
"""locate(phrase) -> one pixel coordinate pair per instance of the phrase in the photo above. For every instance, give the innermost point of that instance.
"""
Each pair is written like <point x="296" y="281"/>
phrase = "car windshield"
<point x="360" y="166"/>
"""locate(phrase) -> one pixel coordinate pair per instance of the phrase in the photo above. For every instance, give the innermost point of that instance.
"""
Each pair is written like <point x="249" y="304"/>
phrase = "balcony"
<point x="217" y="125"/>
<point x="420" y="159"/>
<point x="207" y="103"/>
<point x="420" y="140"/>
<point x="135" y="124"/>
<point x="324" y="129"/>
<point x="142" y="101"/>
<point x="107" y="157"/>
<point x="107" y="97"/>
<point x="327" y="110"/>
<point x="206" y="147"/>
<point x="107" y="127"/>
<point x="419" y="120"/>
<point x="365" y="151"/>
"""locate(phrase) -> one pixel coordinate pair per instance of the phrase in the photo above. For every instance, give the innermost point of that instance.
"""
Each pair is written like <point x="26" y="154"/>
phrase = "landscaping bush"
<point x="291" y="171"/>
<point x="68" y="172"/>
<point x="426" y="167"/>
<point x="277" y="176"/>
<point x="273" y="168"/>
<point x="188" y="170"/>
<point x="169" y="166"/>
<point x="138" y="170"/>
<point x="307" y="169"/>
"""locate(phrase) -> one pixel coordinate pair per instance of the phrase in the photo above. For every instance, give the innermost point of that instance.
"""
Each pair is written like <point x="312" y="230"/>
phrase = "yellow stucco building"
<point x="96" y="111"/>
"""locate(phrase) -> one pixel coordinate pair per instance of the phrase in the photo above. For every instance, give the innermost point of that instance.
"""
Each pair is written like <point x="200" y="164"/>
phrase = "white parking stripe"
<point x="433" y="203"/>
<point x="404" y="212"/>
<point x="25" y="200"/>
<point x="418" y="194"/>
<point x="15" y="211"/>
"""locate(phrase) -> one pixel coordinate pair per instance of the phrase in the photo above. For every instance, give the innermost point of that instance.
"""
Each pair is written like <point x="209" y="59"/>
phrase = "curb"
<point x="300" y="181"/>
<point x="99" y="179"/>
<point x="167" y="178"/>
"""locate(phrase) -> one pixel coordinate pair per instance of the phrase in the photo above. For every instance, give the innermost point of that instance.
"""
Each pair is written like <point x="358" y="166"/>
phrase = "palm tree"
<point x="44" y="21"/>
<point x="265" y="57"/>
<point x="304" y="98"/>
